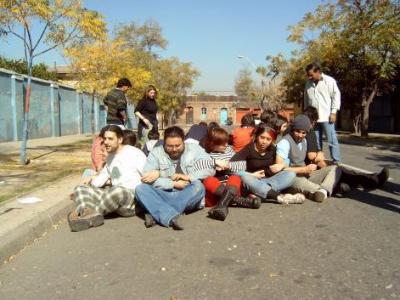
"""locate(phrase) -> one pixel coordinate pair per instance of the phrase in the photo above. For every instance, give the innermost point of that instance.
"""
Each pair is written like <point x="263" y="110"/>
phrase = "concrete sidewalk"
<point x="22" y="224"/>
<point x="13" y="147"/>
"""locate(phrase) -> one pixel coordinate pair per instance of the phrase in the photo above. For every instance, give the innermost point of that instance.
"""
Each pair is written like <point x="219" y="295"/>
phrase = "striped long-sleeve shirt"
<point x="234" y="167"/>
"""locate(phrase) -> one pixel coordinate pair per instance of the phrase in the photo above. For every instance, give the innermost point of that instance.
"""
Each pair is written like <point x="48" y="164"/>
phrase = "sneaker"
<point x="319" y="195"/>
<point x="383" y="176"/>
<point x="291" y="199"/>
<point x="88" y="218"/>
<point x="248" y="202"/>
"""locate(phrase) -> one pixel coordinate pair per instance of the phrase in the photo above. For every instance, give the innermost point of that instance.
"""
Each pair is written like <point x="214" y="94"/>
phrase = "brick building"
<point x="226" y="110"/>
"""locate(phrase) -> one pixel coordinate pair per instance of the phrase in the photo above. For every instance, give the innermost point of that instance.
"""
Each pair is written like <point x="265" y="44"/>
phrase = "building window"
<point x="203" y="113"/>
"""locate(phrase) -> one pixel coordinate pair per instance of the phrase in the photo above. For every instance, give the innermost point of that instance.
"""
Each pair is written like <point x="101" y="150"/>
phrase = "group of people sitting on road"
<point x="272" y="162"/>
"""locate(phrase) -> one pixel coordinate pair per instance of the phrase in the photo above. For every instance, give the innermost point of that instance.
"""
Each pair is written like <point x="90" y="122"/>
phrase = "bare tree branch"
<point x="41" y="36"/>
<point x="70" y="35"/>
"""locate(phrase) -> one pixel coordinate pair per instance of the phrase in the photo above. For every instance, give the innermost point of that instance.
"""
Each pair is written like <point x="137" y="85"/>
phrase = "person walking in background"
<point x="146" y="110"/>
<point x="322" y="92"/>
<point x="117" y="104"/>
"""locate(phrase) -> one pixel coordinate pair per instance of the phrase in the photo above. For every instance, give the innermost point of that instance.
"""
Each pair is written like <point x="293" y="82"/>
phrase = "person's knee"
<point x="141" y="189"/>
<point x="198" y="186"/>
<point x="290" y="175"/>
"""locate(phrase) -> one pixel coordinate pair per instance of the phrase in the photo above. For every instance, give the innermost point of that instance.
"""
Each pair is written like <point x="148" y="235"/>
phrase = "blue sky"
<point x="210" y="34"/>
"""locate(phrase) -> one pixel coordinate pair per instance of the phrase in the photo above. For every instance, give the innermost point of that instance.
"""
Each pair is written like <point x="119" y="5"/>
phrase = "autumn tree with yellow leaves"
<point x="43" y="25"/>
<point x="357" y="42"/>
<point x="131" y="52"/>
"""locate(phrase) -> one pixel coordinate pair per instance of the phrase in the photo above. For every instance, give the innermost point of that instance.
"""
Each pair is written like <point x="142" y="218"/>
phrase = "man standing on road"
<point x="112" y="190"/>
<point x="322" y="92"/>
<point x="178" y="189"/>
<point x="117" y="104"/>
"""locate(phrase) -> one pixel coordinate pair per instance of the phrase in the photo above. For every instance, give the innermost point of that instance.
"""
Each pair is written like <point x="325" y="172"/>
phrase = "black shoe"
<point x="149" y="221"/>
<point x="175" y="223"/>
<point x="249" y="202"/>
<point x="220" y="211"/>
<point x="343" y="189"/>
<point x="383" y="176"/>
<point x="271" y="195"/>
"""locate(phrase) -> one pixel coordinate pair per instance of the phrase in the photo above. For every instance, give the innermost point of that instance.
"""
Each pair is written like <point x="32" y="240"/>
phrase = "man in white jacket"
<point x="322" y="92"/>
<point x="112" y="190"/>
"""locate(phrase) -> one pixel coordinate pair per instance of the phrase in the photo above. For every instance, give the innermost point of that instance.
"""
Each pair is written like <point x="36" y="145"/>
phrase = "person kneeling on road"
<point x="112" y="190"/>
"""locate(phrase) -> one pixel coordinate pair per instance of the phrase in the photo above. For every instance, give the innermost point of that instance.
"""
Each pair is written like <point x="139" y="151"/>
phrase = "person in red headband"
<point x="262" y="176"/>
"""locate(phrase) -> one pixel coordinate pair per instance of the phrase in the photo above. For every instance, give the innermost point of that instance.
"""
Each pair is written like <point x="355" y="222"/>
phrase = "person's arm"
<point x="335" y="96"/>
<point x="121" y="107"/>
<point x="298" y="170"/>
<point x="335" y="101"/>
<point x="152" y="164"/>
<point x="238" y="163"/>
<point x="138" y="113"/>
<point x="101" y="179"/>
<point x="199" y="174"/>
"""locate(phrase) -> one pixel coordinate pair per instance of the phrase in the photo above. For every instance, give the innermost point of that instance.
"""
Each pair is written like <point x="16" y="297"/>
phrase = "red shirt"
<point x="241" y="137"/>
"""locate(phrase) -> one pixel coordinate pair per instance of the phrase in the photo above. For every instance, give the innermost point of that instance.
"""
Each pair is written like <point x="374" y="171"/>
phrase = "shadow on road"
<point x="384" y="202"/>
<point x="392" y="187"/>
<point x="391" y="162"/>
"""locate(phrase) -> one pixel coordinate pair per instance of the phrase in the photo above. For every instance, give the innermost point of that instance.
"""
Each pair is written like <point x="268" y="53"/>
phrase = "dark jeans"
<point x="143" y="129"/>
<point x="356" y="178"/>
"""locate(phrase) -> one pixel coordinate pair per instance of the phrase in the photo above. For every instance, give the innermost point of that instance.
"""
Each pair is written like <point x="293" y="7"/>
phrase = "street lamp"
<point x="261" y="78"/>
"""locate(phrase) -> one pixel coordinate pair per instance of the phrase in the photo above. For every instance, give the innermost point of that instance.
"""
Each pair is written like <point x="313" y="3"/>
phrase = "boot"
<point x="383" y="176"/>
<point x="247" y="202"/>
<point x="84" y="220"/>
<point x="220" y="211"/>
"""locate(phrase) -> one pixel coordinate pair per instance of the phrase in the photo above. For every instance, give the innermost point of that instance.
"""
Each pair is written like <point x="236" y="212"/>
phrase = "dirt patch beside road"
<point x="47" y="165"/>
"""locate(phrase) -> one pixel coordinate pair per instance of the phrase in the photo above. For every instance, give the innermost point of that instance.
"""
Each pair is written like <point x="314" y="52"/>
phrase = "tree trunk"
<point x="23" y="157"/>
<point x="365" y="113"/>
<point x="356" y="123"/>
<point x="170" y="117"/>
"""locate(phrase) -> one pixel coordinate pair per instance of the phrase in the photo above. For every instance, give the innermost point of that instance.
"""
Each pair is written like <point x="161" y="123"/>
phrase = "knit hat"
<point x="301" y="122"/>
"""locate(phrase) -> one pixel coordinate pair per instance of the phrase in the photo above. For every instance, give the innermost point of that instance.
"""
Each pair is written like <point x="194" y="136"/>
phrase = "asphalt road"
<point x="344" y="248"/>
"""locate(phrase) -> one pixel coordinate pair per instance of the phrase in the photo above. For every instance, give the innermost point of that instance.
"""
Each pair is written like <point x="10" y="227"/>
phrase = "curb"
<point x="33" y="229"/>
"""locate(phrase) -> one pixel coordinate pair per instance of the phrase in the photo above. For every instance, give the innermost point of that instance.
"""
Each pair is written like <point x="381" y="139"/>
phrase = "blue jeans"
<point x="330" y="132"/>
<point x="261" y="187"/>
<point x="165" y="205"/>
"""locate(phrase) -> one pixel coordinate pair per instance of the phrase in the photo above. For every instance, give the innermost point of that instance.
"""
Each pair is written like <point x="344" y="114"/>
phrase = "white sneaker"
<point x="291" y="199"/>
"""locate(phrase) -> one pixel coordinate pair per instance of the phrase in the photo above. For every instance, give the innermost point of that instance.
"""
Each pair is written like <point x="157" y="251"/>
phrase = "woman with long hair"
<point x="223" y="189"/>
<point x="146" y="110"/>
<point x="263" y="177"/>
